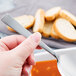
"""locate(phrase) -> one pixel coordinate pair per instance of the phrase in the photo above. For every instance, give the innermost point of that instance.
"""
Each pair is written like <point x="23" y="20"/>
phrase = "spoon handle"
<point x="10" y="21"/>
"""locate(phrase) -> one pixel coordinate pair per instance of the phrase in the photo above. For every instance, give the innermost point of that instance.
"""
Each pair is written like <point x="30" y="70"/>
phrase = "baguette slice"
<point x="47" y="29"/>
<point x="27" y="21"/>
<point x="65" y="30"/>
<point x="39" y="21"/>
<point x="52" y="13"/>
<point x="67" y="15"/>
<point x="53" y="33"/>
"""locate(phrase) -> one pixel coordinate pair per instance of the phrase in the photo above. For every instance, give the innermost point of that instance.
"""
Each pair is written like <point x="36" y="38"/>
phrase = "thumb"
<point x="25" y="49"/>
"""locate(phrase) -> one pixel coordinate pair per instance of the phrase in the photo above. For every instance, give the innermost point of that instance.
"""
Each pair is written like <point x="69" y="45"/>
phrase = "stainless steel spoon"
<point x="10" y="21"/>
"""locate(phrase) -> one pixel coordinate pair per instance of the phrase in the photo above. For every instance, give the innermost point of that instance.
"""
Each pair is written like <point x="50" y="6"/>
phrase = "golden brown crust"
<point x="39" y="21"/>
<point x="31" y="22"/>
<point x="67" y="15"/>
<point x="62" y="36"/>
<point x="29" y="26"/>
<point x="53" y="33"/>
<point x="47" y="29"/>
<point x="51" y="17"/>
<point x="28" y="23"/>
<point x="45" y="35"/>
<point x="10" y="29"/>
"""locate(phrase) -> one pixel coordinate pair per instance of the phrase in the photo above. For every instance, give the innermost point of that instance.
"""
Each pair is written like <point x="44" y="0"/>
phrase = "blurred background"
<point x="21" y="7"/>
<point x="29" y="7"/>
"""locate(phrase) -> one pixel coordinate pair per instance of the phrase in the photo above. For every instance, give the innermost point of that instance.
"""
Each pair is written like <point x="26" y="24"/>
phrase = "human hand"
<point x="16" y="54"/>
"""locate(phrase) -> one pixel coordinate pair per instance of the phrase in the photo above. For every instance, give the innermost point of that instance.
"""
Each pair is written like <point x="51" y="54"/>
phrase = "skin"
<point x="16" y="54"/>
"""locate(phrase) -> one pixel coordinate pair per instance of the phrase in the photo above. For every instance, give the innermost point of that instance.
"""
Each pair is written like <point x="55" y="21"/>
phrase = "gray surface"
<point x="30" y="6"/>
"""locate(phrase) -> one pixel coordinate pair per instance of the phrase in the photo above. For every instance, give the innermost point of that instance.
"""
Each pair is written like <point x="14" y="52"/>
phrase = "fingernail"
<point x="36" y="37"/>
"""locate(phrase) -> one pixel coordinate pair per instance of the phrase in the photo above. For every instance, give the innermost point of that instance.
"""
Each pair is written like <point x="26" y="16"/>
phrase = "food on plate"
<point x="55" y="22"/>
<point x="47" y="29"/>
<point x="27" y="21"/>
<point x="65" y="30"/>
<point x="39" y="21"/>
<point x="52" y="13"/>
<point x="53" y="33"/>
<point x="67" y="15"/>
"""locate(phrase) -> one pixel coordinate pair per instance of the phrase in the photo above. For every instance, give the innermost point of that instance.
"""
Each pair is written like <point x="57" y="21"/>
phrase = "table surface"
<point x="30" y="6"/>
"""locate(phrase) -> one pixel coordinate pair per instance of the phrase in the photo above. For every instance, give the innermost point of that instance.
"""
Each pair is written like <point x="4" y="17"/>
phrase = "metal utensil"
<point x="10" y="21"/>
<point x="7" y="19"/>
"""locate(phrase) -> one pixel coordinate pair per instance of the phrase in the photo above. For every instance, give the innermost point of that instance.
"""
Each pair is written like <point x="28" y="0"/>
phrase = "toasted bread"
<point x="39" y="21"/>
<point x="52" y="13"/>
<point x="67" y="15"/>
<point x="27" y="21"/>
<point x="53" y="33"/>
<point x="65" y="30"/>
<point x="47" y="29"/>
<point x="10" y="29"/>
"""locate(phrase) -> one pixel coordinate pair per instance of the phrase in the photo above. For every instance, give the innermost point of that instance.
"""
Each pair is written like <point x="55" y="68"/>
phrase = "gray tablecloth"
<point x="30" y="6"/>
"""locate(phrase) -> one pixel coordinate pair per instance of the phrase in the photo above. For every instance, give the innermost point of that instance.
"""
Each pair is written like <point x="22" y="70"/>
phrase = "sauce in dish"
<point x="45" y="68"/>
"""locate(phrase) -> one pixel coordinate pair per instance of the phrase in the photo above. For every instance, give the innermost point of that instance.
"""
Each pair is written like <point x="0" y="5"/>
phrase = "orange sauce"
<point x="45" y="68"/>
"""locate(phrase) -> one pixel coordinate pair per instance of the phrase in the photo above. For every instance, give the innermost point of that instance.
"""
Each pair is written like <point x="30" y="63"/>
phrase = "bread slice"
<point x="52" y="13"/>
<point x="53" y="33"/>
<point x="39" y="21"/>
<point x="65" y="30"/>
<point x="47" y="29"/>
<point x="67" y="15"/>
<point x="10" y="29"/>
<point x="27" y="21"/>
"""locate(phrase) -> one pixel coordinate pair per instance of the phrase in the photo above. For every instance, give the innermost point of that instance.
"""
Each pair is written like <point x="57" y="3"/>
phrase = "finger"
<point x="25" y="49"/>
<point x="12" y="41"/>
<point x="38" y="47"/>
<point x="26" y="70"/>
<point x="31" y="59"/>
